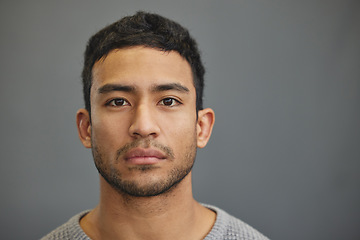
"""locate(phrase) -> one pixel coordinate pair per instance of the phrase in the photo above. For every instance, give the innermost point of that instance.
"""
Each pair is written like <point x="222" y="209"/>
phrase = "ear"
<point x="205" y="123"/>
<point x="84" y="127"/>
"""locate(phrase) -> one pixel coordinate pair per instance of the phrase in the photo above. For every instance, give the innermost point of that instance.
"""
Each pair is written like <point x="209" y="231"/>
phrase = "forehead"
<point x="142" y="67"/>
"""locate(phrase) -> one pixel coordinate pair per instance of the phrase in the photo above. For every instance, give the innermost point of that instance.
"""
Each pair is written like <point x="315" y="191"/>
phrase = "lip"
<point x="144" y="156"/>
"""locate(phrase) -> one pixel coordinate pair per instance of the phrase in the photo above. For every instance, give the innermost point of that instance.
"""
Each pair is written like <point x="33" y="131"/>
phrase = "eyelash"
<point x="111" y="102"/>
<point x="175" y="101"/>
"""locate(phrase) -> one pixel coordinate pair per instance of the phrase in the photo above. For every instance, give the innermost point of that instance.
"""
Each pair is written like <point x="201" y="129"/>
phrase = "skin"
<point x="156" y="110"/>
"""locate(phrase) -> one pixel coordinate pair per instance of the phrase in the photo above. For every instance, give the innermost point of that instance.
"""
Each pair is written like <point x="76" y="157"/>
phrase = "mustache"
<point x="145" y="143"/>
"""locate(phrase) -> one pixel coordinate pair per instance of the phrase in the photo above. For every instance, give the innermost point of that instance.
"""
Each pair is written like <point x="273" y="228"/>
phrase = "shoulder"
<point x="229" y="227"/>
<point x="69" y="230"/>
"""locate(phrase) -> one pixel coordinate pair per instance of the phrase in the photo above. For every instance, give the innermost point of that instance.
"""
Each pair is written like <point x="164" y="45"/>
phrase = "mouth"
<point x="144" y="156"/>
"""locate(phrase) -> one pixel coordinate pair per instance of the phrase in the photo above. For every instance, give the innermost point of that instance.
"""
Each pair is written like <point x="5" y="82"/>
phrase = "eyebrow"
<point x="115" y="87"/>
<point x="156" y="88"/>
<point x="170" y="86"/>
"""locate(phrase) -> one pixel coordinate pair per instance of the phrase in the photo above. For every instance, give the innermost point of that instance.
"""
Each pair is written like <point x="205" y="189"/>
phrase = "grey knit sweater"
<point x="225" y="227"/>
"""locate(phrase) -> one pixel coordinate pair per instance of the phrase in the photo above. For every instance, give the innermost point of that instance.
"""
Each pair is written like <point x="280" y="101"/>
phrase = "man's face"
<point x="143" y="120"/>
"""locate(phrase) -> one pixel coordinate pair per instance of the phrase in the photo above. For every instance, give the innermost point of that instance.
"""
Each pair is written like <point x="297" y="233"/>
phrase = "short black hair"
<point x="149" y="30"/>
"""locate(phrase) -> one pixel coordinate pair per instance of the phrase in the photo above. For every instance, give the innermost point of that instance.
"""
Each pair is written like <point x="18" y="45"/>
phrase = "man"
<point x="144" y="119"/>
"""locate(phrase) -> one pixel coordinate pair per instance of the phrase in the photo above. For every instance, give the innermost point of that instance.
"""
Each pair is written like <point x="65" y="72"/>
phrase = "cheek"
<point x="108" y="132"/>
<point x="180" y="129"/>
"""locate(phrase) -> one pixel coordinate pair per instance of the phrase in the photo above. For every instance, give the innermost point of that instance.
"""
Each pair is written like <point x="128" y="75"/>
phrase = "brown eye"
<point x="170" y="102"/>
<point x="117" y="102"/>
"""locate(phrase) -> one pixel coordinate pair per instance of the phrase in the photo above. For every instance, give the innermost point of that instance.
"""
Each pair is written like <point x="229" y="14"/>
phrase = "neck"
<point x="172" y="215"/>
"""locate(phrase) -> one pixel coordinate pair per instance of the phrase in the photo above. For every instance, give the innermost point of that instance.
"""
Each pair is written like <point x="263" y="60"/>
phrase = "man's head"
<point x="149" y="30"/>
<point x="146" y="114"/>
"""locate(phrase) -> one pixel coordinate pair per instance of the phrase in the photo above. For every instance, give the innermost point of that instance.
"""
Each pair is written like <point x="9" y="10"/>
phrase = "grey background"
<point x="282" y="76"/>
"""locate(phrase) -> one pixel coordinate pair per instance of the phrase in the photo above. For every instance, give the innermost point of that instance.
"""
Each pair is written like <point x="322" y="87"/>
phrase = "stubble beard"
<point x="133" y="188"/>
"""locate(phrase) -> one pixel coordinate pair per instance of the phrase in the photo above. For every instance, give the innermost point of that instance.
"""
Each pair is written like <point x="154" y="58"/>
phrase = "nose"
<point x="144" y="122"/>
